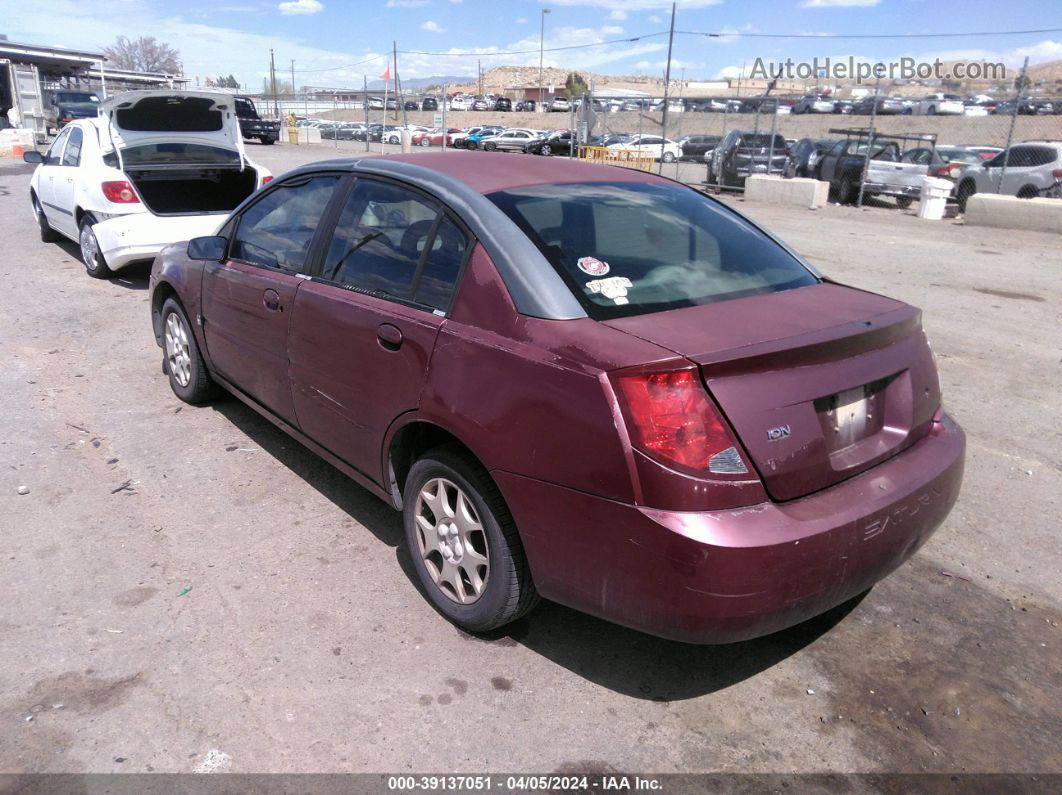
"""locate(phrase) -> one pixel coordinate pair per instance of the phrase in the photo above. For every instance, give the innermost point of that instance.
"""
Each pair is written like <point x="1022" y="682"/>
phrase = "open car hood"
<point x="136" y="118"/>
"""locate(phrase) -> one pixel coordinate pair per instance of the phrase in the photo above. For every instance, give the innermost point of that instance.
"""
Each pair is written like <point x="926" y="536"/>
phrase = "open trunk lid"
<point x="138" y="118"/>
<point x="820" y="383"/>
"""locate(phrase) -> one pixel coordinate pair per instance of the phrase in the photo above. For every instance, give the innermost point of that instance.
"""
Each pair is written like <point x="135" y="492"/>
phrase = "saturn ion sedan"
<point x="578" y="382"/>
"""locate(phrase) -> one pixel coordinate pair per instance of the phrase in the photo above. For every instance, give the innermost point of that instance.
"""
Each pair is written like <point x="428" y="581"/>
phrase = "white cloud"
<point x="676" y="65"/>
<point x="457" y="2"/>
<point x="407" y="3"/>
<point x="637" y="5"/>
<point x="617" y="14"/>
<point x="432" y="27"/>
<point x="612" y="30"/>
<point x="655" y="18"/>
<point x="839" y="3"/>
<point x="300" y="7"/>
<point x="520" y="20"/>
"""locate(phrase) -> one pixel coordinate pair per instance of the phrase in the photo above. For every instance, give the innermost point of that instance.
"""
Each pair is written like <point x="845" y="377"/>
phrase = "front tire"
<point x="48" y="235"/>
<point x="182" y="361"/>
<point x="425" y="141"/>
<point x="668" y="157"/>
<point x="95" y="263"/>
<point x="545" y="150"/>
<point x="268" y="141"/>
<point x="849" y="191"/>
<point x="464" y="544"/>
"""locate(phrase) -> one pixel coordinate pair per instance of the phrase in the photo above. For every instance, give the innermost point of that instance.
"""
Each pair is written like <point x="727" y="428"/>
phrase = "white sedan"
<point x="660" y="148"/>
<point x="153" y="168"/>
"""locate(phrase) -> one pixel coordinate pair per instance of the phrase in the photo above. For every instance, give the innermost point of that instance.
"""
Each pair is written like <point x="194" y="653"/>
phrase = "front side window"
<point x="55" y="151"/>
<point x="396" y="243"/>
<point x="276" y="231"/>
<point x="634" y="248"/>
<point x="72" y="153"/>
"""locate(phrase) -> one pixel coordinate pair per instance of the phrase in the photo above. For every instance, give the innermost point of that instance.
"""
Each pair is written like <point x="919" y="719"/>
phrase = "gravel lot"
<point x="188" y="589"/>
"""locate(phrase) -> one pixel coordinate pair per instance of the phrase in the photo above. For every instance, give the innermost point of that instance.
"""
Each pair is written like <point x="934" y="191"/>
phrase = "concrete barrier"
<point x="800" y="192"/>
<point x="1010" y="212"/>
<point x="15" y="141"/>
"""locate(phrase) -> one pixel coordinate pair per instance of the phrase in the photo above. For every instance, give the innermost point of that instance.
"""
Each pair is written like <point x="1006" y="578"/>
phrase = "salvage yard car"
<point x="590" y="384"/>
<point x="842" y="167"/>
<point x="1033" y="169"/>
<point x="152" y="168"/>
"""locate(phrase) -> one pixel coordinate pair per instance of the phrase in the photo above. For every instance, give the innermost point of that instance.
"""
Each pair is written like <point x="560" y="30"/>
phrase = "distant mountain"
<point x="420" y="83"/>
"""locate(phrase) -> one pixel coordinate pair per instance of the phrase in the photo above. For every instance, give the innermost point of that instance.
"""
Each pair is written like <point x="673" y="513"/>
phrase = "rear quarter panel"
<point x="173" y="272"/>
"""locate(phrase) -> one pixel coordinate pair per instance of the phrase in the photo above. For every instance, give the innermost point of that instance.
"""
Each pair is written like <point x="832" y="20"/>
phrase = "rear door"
<point x="248" y="299"/>
<point x="364" y="327"/>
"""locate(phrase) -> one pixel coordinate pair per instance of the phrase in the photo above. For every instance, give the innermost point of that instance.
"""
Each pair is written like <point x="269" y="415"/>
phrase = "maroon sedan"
<point x="582" y="382"/>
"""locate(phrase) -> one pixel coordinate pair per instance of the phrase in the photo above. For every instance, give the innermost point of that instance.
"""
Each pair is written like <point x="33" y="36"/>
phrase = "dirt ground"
<point x="187" y="589"/>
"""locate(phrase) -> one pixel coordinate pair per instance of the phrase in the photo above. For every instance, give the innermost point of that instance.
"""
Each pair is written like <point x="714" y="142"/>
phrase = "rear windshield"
<point x="631" y="248"/>
<point x="754" y="140"/>
<point x="176" y="154"/>
<point x="170" y="114"/>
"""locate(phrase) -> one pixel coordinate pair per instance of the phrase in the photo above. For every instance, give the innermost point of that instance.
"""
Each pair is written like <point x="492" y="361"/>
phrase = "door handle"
<point x="271" y="301"/>
<point x="389" y="336"/>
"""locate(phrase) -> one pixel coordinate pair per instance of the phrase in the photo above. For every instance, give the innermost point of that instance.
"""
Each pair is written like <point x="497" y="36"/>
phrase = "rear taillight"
<point x="266" y="180"/>
<point x="1057" y="173"/>
<point x="673" y="420"/>
<point x="120" y="192"/>
<point x="946" y="171"/>
<point x="987" y="155"/>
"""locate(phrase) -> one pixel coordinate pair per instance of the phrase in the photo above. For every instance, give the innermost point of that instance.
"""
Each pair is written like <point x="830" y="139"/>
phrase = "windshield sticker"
<point x="615" y="288"/>
<point x="592" y="266"/>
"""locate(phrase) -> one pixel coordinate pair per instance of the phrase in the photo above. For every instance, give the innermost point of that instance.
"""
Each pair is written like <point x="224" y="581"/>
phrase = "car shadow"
<point x="131" y="277"/>
<point x="617" y="658"/>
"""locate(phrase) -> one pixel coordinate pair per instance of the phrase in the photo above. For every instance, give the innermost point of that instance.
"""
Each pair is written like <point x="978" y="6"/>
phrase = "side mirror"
<point x="33" y="156"/>
<point x="211" y="249"/>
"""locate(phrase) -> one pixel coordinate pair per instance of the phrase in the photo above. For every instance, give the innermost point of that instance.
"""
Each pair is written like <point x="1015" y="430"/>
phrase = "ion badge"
<point x="592" y="266"/>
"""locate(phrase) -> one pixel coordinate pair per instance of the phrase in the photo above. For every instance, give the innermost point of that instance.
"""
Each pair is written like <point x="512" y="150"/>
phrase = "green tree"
<point x="227" y="82"/>
<point x="575" y="85"/>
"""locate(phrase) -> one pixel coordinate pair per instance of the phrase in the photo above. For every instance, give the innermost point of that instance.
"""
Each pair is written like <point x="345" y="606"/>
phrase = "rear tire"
<point x="1028" y="192"/>
<point x="425" y="141"/>
<point x="668" y="157"/>
<point x="268" y="141"/>
<point x="48" y="235"/>
<point x="903" y="202"/>
<point x="490" y="147"/>
<point x="965" y="190"/>
<point x="545" y="150"/>
<point x="463" y="542"/>
<point x="849" y="191"/>
<point x="95" y="263"/>
<point x="182" y="361"/>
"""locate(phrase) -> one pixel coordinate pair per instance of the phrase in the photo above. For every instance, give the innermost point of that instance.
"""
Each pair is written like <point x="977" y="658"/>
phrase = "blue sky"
<point x="334" y="42"/>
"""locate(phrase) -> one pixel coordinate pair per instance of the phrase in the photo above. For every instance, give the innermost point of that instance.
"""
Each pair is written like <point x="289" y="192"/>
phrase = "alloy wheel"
<point x="452" y="541"/>
<point x="90" y="249"/>
<point x="178" y="357"/>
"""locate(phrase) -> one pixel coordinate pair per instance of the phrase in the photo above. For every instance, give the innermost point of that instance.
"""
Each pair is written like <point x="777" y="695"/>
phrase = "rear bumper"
<point x="725" y="576"/>
<point x="892" y="190"/>
<point x="125" y="239"/>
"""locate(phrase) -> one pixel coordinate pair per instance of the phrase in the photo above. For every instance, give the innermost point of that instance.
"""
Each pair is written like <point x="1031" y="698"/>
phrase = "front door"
<point x="66" y="176"/>
<point x="50" y="170"/>
<point x="248" y="299"/>
<point x="364" y="328"/>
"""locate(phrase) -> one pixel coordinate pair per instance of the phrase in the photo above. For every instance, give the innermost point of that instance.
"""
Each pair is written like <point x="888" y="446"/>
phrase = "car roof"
<point x="487" y="172"/>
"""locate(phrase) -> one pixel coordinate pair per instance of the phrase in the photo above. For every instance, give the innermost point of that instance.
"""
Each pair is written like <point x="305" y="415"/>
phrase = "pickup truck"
<point x="254" y="126"/>
<point x="64" y="105"/>
<point x="842" y="167"/>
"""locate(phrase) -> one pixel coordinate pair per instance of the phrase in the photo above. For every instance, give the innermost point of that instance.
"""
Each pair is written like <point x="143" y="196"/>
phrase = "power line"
<point x="716" y="35"/>
<point x="731" y="35"/>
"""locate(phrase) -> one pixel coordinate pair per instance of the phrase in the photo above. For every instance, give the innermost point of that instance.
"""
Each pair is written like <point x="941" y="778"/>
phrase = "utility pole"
<point x="479" y="71"/>
<point x="667" y="85"/>
<point x="273" y="82"/>
<point x="398" y="88"/>
<point x="365" y="105"/>
<point x="541" y="45"/>
<point x="870" y="146"/>
<point x="293" y="78"/>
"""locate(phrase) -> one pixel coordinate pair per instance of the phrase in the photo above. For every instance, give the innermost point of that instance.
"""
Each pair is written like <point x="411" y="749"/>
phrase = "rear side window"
<point x="396" y="242"/>
<point x="276" y="231"/>
<point x="1021" y="157"/>
<point x="72" y="153"/>
<point x="633" y="248"/>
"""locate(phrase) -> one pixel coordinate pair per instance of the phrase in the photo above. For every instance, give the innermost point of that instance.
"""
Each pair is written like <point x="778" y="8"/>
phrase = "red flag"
<point x="387" y="73"/>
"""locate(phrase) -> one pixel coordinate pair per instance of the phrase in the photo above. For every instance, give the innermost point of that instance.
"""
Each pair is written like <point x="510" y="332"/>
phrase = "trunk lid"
<point x="138" y="118"/>
<point x="819" y="383"/>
